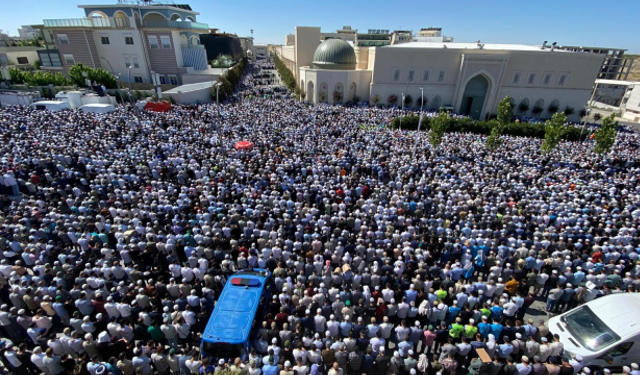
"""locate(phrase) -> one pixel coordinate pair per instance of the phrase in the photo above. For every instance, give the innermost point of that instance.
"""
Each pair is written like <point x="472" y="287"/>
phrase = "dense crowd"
<point x="118" y="232"/>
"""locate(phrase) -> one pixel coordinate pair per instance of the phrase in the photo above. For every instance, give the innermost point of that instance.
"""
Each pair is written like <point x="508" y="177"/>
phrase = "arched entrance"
<point x="352" y="91"/>
<point x="474" y="96"/>
<point x="310" y="92"/>
<point x="338" y="93"/>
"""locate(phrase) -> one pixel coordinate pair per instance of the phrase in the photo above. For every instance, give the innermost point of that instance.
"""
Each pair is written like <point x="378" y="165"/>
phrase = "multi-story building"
<point x="29" y="33"/>
<point x="467" y="78"/>
<point x="130" y="40"/>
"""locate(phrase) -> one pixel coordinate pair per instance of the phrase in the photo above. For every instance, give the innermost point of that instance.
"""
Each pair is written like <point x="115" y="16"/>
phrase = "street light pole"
<point x="129" y="79"/>
<point x="117" y="77"/>
<point x="415" y="146"/>
<point x="217" y="86"/>
<point x="402" y="115"/>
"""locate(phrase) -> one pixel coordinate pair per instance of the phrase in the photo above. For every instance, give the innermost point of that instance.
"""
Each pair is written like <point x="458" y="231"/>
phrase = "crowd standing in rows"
<point x="119" y="231"/>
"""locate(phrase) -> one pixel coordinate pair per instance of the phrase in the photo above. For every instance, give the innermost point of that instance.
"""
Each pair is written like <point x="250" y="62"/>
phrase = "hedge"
<point x="468" y="125"/>
<point x="285" y="74"/>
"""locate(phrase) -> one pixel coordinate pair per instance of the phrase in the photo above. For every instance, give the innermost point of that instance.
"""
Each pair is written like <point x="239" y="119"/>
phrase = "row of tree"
<point x="230" y="80"/>
<point x="553" y="130"/>
<point x="76" y="77"/>
<point x="286" y="76"/>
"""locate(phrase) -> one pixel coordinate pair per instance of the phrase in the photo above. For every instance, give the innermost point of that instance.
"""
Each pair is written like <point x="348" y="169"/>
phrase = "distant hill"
<point x="634" y="75"/>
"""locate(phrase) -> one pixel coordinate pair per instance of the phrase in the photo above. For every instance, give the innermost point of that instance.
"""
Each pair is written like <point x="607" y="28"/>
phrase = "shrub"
<point x="468" y="125"/>
<point x="375" y="99"/>
<point x="393" y="98"/>
<point x="286" y="75"/>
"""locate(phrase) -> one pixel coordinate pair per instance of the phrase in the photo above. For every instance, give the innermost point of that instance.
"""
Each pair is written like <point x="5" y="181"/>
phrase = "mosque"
<point x="468" y="78"/>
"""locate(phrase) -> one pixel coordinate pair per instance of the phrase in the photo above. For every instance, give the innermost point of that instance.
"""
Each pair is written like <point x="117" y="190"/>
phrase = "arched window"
<point x="435" y="103"/>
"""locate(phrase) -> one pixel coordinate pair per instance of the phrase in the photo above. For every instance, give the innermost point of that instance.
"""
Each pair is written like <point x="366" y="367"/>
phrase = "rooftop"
<point x="487" y="46"/>
<point x="155" y="5"/>
<point x="190" y="87"/>
<point x="616" y="82"/>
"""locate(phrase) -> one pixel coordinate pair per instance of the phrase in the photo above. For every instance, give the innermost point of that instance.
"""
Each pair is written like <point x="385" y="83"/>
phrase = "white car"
<point x="97" y="108"/>
<point x="605" y="331"/>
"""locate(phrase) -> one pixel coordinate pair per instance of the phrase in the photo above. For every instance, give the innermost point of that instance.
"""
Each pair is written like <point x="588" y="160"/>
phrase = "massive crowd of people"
<point x="118" y="232"/>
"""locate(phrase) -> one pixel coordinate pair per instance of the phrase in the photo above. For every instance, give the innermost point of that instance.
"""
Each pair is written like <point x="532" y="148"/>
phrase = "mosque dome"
<point x="334" y="54"/>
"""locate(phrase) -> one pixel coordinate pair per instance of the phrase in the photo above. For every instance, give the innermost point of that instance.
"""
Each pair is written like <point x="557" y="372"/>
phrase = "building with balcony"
<point x="614" y="64"/>
<point x="129" y="40"/>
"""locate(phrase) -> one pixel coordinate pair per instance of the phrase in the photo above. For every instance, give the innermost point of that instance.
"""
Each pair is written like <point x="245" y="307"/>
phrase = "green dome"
<point x="334" y="54"/>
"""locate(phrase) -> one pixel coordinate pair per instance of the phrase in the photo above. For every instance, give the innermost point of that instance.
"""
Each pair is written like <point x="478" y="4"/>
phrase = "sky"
<point x="568" y="22"/>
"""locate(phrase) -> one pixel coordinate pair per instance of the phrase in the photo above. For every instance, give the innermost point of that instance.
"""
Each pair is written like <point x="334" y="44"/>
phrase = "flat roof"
<point x="191" y="87"/>
<point x="97" y="105"/>
<point x="153" y="6"/>
<point x="487" y="46"/>
<point x="616" y="82"/>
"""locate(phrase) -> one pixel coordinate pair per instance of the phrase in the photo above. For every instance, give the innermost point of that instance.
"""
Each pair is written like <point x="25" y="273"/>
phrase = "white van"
<point x="97" y="108"/>
<point x="605" y="331"/>
<point x="50" y="105"/>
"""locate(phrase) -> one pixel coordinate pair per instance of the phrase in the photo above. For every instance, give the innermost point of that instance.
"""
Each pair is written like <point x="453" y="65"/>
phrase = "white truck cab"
<point x="605" y="331"/>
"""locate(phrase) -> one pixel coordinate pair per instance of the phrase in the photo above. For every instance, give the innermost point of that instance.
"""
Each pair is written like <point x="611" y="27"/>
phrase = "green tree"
<point x="582" y="113"/>
<point x="505" y="112"/>
<point x="597" y="117"/>
<point x="286" y="76"/>
<point x="17" y="76"/>
<point x="537" y="110"/>
<point x="392" y="99"/>
<point x="523" y="107"/>
<point x="553" y="108"/>
<point x="375" y="100"/>
<point x="75" y="74"/>
<point x="569" y="111"/>
<point x="606" y="136"/>
<point x="439" y="126"/>
<point x="553" y="132"/>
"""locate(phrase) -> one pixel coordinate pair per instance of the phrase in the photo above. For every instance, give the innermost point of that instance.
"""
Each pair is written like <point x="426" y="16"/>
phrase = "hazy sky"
<point x="569" y="22"/>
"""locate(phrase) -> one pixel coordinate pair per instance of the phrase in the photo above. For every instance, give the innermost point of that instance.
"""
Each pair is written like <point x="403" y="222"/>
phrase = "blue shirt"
<point x="484" y="329"/>
<point x="411" y="295"/>
<point x="270" y="370"/>
<point x="404" y="347"/>
<point x="496" y="329"/>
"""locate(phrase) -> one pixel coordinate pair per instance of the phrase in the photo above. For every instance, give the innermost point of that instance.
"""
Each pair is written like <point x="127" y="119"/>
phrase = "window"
<point x="591" y="332"/>
<point x="516" y="78"/>
<point x="63" y="39"/>
<point x="426" y="75"/>
<point x="411" y="75"/>
<point x="173" y="79"/>
<point x="135" y="62"/>
<point x="127" y="62"/>
<point x="531" y="79"/>
<point x="104" y="39"/>
<point x="547" y="79"/>
<point x="442" y="75"/>
<point x="562" y="80"/>
<point x="166" y="41"/>
<point x="69" y="60"/>
<point x="153" y="42"/>
<point x="618" y="350"/>
<point x="22" y="60"/>
<point x="137" y="79"/>
<point x="396" y="74"/>
<point x="128" y="40"/>
<point x="163" y="80"/>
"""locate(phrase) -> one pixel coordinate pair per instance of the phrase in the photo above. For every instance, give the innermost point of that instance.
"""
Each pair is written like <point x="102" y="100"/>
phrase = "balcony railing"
<point x="164" y="24"/>
<point x="96" y="22"/>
